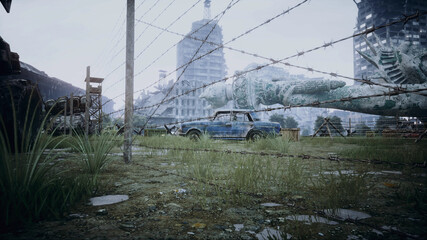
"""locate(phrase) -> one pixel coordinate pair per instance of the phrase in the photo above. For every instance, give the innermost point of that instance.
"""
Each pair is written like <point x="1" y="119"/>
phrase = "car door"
<point x="220" y="127"/>
<point x="241" y="125"/>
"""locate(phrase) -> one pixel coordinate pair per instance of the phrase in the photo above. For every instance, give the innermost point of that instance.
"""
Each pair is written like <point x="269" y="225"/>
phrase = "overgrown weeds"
<point x="339" y="189"/>
<point x="278" y="144"/>
<point x="30" y="190"/>
<point x="93" y="152"/>
<point x="31" y="185"/>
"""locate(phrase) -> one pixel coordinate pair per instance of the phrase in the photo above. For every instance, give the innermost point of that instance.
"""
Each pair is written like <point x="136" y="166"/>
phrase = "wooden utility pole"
<point x="65" y="115"/>
<point x="87" y="116"/>
<point x="130" y="45"/>
<point x="71" y="113"/>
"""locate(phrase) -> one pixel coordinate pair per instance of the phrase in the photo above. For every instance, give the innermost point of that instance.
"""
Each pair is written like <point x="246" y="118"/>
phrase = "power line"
<point x="366" y="81"/>
<point x="123" y="48"/>
<point x="139" y="36"/>
<point x="405" y="19"/>
<point x="113" y="36"/>
<point x="194" y="55"/>
<point x="209" y="52"/>
<point x="172" y="23"/>
<point x="311" y="104"/>
<point x="121" y="36"/>
<point x="369" y="30"/>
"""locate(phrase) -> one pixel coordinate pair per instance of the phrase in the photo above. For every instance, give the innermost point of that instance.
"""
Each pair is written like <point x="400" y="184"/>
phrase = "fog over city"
<point x="61" y="38"/>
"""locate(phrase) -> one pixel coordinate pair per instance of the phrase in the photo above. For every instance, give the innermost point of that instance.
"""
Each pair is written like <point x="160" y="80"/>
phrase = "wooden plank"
<point x="95" y="80"/>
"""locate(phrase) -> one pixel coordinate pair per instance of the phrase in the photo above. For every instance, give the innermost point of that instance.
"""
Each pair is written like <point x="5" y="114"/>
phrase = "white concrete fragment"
<point x="238" y="227"/>
<point x="346" y="214"/>
<point x="270" y="233"/>
<point x="271" y="204"/>
<point x="310" y="219"/>
<point x="108" y="199"/>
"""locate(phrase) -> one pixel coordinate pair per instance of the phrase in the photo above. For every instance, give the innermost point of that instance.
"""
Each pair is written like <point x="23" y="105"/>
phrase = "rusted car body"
<point x="232" y="125"/>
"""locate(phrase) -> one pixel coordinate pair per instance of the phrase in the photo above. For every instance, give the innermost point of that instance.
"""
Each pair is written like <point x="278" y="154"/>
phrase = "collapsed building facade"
<point x="378" y="12"/>
<point x="200" y="72"/>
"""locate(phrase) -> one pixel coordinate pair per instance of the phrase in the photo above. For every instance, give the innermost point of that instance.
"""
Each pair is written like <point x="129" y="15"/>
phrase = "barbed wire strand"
<point x="209" y="52"/>
<point x="121" y="36"/>
<point x="123" y="48"/>
<point x="103" y="54"/>
<point x="310" y="69"/>
<point x="280" y="155"/>
<point x="405" y="19"/>
<point x="194" y="55"/>
<point x="312" y="104"/>
<point x="173" y="46"/>
<point x="170" y="25"/>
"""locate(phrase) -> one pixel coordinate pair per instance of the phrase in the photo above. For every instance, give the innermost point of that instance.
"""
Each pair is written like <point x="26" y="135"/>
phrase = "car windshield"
<point x="254" y="116"/>
<point x="222" y="117"/>
<point x="240" y="117"/>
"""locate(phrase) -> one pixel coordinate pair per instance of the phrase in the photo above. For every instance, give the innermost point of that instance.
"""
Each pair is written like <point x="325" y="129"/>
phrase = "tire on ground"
<point x="194" y="135"/>
<point x="255" y="135"/>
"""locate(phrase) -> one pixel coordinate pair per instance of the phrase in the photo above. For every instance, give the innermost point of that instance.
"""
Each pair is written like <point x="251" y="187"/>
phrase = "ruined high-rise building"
<point x="379" y="12"/>
<point x="202" y="71"/>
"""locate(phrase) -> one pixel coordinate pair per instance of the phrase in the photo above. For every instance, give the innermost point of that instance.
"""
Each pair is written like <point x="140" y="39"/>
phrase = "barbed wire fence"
<point x="140" y="53"/>
<point x="391" y="90"/>
<point x="282" y="61"/>
<point x="388" y="92"/>
<point x="165" y="52"/>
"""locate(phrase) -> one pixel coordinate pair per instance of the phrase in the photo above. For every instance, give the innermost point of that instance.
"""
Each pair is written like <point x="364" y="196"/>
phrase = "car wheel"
<point x="255" y="136"/>
<point x="194" y="135"/>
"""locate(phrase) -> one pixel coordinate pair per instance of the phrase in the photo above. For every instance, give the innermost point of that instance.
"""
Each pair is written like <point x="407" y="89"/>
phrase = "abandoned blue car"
<point x="230" y="124"/>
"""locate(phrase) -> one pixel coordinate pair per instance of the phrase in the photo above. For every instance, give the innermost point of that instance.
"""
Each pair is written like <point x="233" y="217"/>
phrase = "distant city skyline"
<point x="61" y="38"/>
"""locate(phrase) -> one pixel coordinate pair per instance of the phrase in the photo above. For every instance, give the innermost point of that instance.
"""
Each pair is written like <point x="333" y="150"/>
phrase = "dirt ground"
<point x="164" y="204"/>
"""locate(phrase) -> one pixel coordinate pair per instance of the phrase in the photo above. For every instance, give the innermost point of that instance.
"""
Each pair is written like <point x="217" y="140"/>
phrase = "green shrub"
<point x="29" y="188"/>
<point x="93" y="152"/>
<point x="270" y="143"/>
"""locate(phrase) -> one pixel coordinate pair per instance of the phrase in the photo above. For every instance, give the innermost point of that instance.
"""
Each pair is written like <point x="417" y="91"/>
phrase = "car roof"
<point x="234" y="110"/>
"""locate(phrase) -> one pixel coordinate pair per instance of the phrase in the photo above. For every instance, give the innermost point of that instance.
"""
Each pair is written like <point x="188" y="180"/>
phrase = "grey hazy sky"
<point x="62" y="37"/>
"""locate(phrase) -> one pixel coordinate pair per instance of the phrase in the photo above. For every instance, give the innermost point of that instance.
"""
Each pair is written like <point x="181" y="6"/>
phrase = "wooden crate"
<point x="291" y="134"/>
<point x="148" y="132"/>
<point x="370" y="134"/>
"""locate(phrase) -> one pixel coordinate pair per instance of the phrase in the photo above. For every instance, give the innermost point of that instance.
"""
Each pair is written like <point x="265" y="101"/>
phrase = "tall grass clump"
<point x="340" y="189"/>
<point x="165" y="141"/>
<point x="254" y="174"/>
<point x="29" y="188"/>
<point x="270" y="144"/>
<point x="294" y="178"/>
<point x="93" y="152"/>
<point x="204" y="142"/>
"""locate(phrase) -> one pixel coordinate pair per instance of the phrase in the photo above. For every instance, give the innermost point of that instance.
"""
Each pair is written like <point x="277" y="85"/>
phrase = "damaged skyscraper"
<point x="200" y="72"/>
<point x="378" y="12"/>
